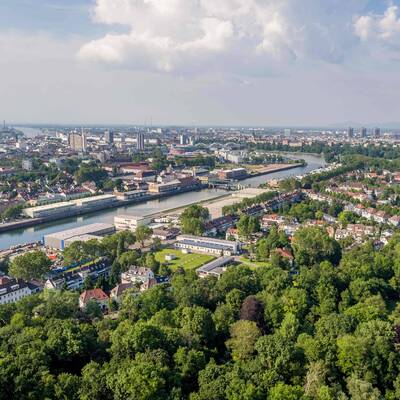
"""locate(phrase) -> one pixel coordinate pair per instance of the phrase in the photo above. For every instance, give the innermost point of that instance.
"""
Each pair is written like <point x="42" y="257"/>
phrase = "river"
<point x="28" y="235"/>
<point x="28" y="131"/>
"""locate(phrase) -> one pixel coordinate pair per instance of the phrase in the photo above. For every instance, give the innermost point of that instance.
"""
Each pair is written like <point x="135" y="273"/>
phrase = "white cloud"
<point x="376" y="27"/>
<point x="237" y="36"/>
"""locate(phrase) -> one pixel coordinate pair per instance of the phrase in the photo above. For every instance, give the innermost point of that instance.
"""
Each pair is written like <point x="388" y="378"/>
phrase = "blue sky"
<point x="248" y="62"/>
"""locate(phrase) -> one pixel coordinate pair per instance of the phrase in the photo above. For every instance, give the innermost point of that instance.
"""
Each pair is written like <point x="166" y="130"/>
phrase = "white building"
<point x="12" y="290"/>
<point x="50" y="210"/>
<point x="95" y="201"/>
<point x="214" y="268"/>
<point x="131" y="195"/>
<point x="137" y="275"/>
<point x="200" y="244"/>
<point x="130" y="222"/>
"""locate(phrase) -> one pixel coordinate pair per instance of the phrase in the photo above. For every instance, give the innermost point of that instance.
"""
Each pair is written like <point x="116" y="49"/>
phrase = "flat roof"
<point x="82" y="230"/>
<point x="130" y="217"/>
<point x="132" y="192"/>
<point x="215" y="246"/>
<point x="95" y="198"/>
<point x="206" y="239"/>
<point x="83" y="238"/>
<point x="215" y="264"/>
<point x="54" y="205"/>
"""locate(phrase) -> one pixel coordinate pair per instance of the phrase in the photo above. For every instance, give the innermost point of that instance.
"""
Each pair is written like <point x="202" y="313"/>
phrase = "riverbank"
<point x="272" y="168"/>
<point x="76" y="213"/>
<point x="35" y="232"/>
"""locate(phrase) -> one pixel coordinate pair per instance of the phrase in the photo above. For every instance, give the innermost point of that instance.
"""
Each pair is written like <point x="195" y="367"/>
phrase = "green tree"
<point x="197" y="326"/>
<point x="143" y="233"/>
<point x="244" y="335"/>
<point x="312" y="245"/>
<point x="193" y="218"/>
<point x="282" y="391"/>
<point x="31" y="265"/>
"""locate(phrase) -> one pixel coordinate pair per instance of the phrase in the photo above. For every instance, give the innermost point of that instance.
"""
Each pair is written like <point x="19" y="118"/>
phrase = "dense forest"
<point x="330" y="329"/>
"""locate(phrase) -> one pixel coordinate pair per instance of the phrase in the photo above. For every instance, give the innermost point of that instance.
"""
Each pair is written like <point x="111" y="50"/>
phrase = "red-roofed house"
<point x="93" y="294"/>
<point x="286" y="254"/>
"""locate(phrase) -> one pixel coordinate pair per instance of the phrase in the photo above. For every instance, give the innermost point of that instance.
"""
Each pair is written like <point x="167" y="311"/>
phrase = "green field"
<point x="186" y="261"/>
<point x="253" y="264"/>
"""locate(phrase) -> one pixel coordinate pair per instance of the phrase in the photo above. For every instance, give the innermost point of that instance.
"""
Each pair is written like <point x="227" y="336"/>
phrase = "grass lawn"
<point x="253" y="264"/>
<point x="186" y="261"/>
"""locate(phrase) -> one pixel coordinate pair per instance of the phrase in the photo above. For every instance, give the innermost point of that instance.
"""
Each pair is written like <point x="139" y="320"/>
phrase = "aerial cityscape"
<point x="195" y="225"/>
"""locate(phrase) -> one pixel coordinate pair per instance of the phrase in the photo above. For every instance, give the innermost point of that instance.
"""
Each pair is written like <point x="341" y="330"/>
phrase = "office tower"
<point x="183" y="139"/>
<point x="109" y="137"/>
<point x="350" y="132"/>
<point x="27" y="165"/>
<point x="77" y="141"/>
<point x="377" y="133"/>
<point x="287" y="132"/>
<point x="140" y="141"/>
<point x="84" y="141"/>
<point x="363" y="132"/>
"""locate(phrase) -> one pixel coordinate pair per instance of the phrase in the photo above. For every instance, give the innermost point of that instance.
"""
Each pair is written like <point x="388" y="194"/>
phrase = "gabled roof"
<point x="95" y="294"/>
<point x="119" y="289"/>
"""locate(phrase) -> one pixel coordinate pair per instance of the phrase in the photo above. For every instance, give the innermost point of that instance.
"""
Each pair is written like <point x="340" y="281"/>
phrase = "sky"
<point x="200" y="62"/>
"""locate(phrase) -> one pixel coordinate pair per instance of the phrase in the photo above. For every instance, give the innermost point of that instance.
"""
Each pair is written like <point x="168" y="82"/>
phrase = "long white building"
<point x="207" y="245"/>
<point x="50" y="210"/>
<point x="67" y="207"/>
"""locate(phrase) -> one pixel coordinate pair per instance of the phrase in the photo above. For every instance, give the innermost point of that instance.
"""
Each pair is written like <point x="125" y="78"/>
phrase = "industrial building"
<point x="201" y="244"/>
<point x="81" y="238"/>
<point x="60" y="240"/>
<point x="236" y="173"/>
<point x="96" y="201"/>
<point x="166" y="187"/>
<point x="50" y="210"/>
<point x="130" y="222"/>
<point x="70" y="207"/>
<point x="131" y="195"/>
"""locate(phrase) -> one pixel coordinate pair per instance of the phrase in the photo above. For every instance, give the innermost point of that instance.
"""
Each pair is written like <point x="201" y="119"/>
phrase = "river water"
<point x="28" y="235"/>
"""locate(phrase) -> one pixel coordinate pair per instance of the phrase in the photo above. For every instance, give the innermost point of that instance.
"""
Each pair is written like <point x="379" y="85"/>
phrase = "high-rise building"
<point x="350" y="132"/>
<point x="140" y="141"/>
<point x="183" y="139"/>
<point x="377" y="133"/>
<point x="287" y="132"/>
<point x="77" y="141"/>
<point x="363" y="132"/>
<point x="27" y="165"/>
<point x="109" y="137"/>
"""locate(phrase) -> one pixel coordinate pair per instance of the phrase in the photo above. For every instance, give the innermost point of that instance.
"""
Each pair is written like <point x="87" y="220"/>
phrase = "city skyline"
<point x="243" y="63"/>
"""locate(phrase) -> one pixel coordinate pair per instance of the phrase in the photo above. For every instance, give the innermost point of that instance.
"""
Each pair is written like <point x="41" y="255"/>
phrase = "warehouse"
<point x="96" y="201"/>
<point x="50" y="210"/>
<point x="131" y="195"/>
<point x="59" y="240"/>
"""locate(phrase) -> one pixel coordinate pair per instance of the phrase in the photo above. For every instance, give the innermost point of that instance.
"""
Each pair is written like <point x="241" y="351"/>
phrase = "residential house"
<point x="137" y="275"/>
<point x="12" y="290"/>
<point x="117" y="292"/>
<point x="96" y="295"/>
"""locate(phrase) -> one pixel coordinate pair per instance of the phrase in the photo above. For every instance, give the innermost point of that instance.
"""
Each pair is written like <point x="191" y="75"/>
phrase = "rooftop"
<point x="83" y="230"/>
